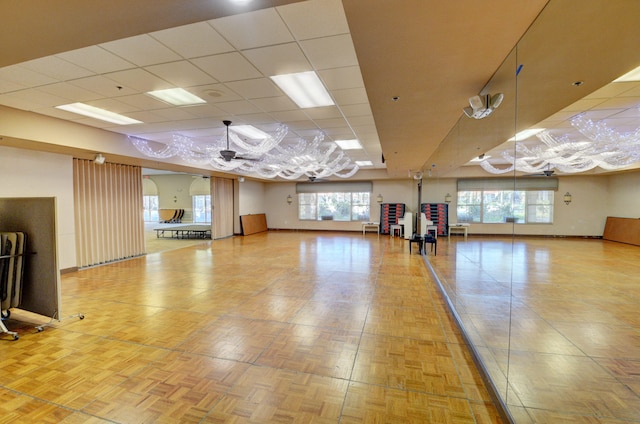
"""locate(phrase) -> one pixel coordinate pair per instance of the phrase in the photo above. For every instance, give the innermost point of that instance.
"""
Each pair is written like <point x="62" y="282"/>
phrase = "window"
<point x="343" y="201"/>
<point x="497" y="206"/>
<point x="334" y="206"/>
<point x="150" y="208"/>
<point x="201" y="204"/>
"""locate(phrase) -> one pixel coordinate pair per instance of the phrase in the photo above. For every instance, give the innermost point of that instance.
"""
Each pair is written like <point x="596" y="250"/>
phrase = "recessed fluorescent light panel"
<point x="631" y="76"/>
<point x="176" y="97"/>
<point x="349" y="144"/>
<point x="250" y="132"/>
<point x="523" y="135"/>
<point x="304" y="88"/>
<point x="364" y="163"/>
<point x="97" y="113"/>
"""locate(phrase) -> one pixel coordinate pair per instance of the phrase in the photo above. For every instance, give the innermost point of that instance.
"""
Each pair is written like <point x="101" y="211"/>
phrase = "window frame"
<point x="312" y="206"/>
<point x="520" y="215"/>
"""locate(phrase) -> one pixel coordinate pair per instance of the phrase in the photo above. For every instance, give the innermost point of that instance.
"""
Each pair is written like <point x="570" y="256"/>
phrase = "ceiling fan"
<point x="545" y="173"/>
<point x="229" y="154"/>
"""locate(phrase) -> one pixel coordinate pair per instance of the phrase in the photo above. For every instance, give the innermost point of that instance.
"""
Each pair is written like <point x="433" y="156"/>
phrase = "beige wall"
<point x="624" y="195"/>
<point x="173" y="193"/>
<point x="252" y="197"/>
<point x="593" y="199"/>
<point x="26" y="173"/>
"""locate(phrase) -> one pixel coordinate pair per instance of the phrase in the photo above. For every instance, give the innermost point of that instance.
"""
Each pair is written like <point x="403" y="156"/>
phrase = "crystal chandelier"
<point x="267" y="158"/>
<point x="603" y="147"/>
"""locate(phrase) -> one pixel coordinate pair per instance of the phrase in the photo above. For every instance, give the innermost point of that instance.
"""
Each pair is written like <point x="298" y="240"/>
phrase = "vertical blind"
<point x="108" y="212"/>
<point x="222" y="207"/>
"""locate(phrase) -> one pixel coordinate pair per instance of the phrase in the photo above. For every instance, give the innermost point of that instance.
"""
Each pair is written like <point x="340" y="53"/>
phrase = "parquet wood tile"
<point x="234" y="338"/>
<point x="334" y="314"/>
<point x="413" y="323"/>
<point x="376" y="404"/>
<point x="269" y="307"/>
<point x="414" y="365"/>
<point x="320" y="351"/>
<point x="268" y="395"/>
<point x="260" y="329"/>
<point x="179" y="385"/>
<point x="19" y="408"/>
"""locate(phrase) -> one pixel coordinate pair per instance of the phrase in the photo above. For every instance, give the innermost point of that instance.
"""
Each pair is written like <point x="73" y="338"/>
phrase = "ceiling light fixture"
<point x="349" y="144"/>
<point x="99" y="159"/>
<point x="524" y="134"/>
<point x="176" y="97"/>
<point x="250" y="131"/>
<point x="97" y="113"/>
<point x="304" y="88"/>
<point x="364" y="163"/>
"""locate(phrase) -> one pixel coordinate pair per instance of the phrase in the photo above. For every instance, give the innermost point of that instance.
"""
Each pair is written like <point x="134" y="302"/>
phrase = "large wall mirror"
<point x="561" y="77"/>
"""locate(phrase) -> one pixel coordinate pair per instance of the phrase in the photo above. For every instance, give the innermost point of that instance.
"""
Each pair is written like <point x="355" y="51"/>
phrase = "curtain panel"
<point x="108" y="212"/>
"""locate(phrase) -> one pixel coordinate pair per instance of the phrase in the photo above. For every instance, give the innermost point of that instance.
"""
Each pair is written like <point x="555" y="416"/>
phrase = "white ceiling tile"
<point x="142" y="50"/>
<point x="18" y="101"/>
<point x="103" y="86"/>
<point x="57" y="68"/>
<point x="362" y="109"/>
<point x="350" y="96"/>
<point x="238" y="107"/>
<point x="71" y="92"/>
<point x="207" y="111"/>
<point x="113" y="105"/>
<point x="176" y="113"/>
<point x="96" y="59"/>
<point x="327" y="112"/>
<point x="330" y="52"/>
<point x="255" y="88"/>
<point x="358" y="121"/>
<point x="25" y="77"/>
<point x="290" y="116"/>
<point x="254" y="29"/>
<point x="342" y="78"/>
<point x="8" y="86"/>
<point x="139" y="79"/>
<point x="39" y="98"/>
<point x="332" y="123"/>
<point x="182" y="74"/>
<point x="195" y="40"/>
<point x="227" y="67"/>
<point x="215" y="93"/>
<point x="315" y="18"/>
<point x="142" y="101"/>
<point x="275" y="104"/>
<point x="278" y="60"/>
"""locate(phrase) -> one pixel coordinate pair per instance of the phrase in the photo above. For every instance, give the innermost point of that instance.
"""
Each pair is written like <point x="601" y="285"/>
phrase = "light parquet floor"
<point x="277" y="327"/>
<point x="556" y="322"/>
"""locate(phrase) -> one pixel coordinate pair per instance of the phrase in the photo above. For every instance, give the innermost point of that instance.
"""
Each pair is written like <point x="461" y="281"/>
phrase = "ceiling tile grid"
<point x="226" y="61"/>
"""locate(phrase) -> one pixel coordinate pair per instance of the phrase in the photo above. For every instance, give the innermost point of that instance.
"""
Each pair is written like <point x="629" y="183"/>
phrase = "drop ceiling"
<point x="399" y="72"/>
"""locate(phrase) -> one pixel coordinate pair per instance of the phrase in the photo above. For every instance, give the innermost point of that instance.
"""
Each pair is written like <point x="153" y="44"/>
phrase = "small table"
<point x="395" y="227"/>
<point x="458" y="228"/>
<point x="375" y="225"/>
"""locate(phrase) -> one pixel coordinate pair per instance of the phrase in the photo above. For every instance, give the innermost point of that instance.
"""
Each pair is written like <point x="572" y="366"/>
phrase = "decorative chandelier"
<point x="603" y="147"/>
<point x="267" y="158"/>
